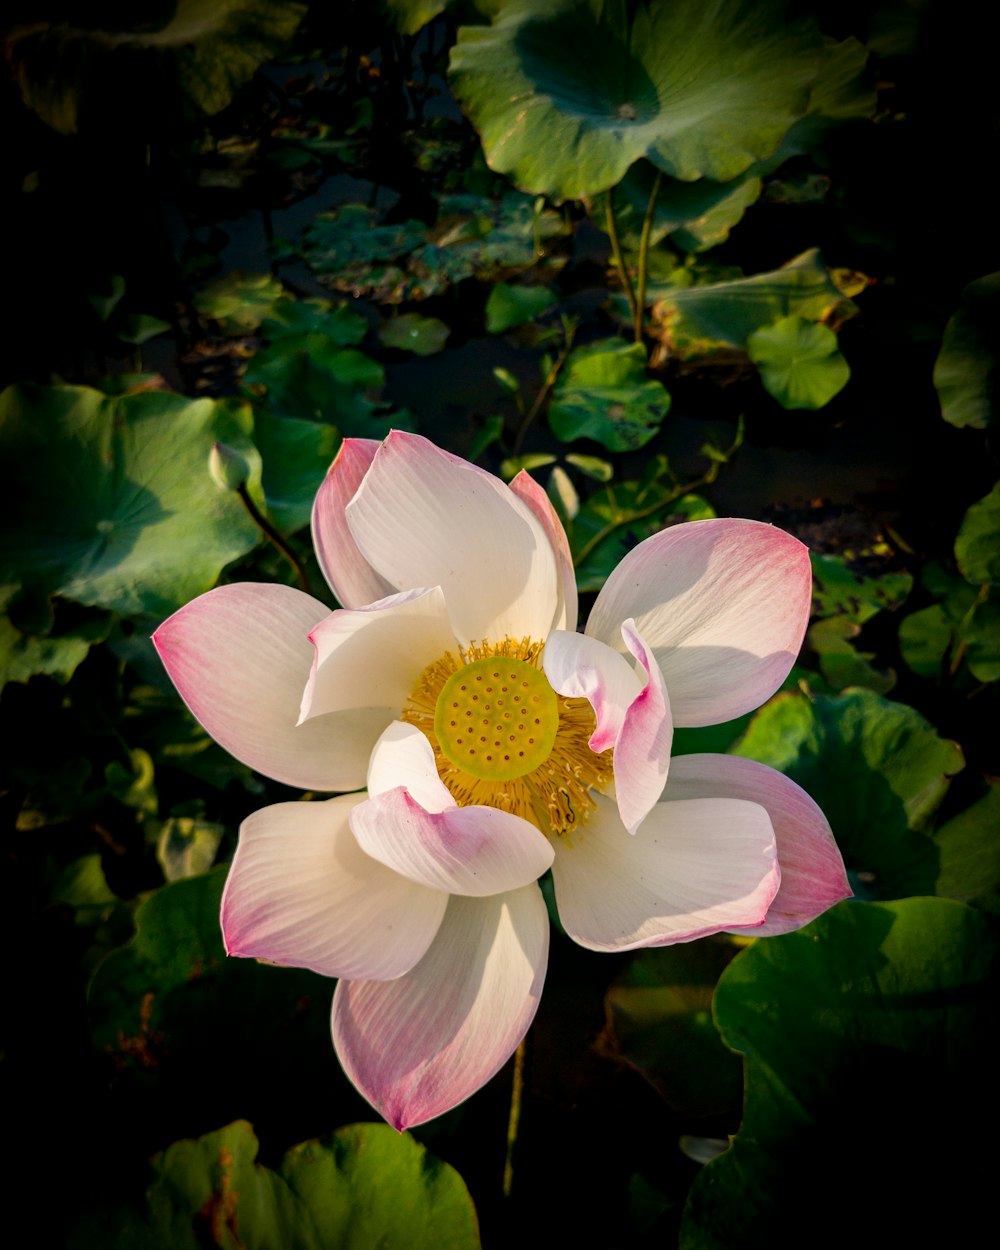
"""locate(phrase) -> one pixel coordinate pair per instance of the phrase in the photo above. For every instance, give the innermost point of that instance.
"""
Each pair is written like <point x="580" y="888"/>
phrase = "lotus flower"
<point x="491" y="737"/>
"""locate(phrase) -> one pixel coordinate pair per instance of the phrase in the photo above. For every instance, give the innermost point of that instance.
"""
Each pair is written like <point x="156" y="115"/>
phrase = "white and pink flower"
<point x="491" y="737"/>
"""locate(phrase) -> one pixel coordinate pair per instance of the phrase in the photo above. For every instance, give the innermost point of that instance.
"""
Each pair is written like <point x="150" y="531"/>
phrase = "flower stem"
<point x="516" y="1092"/>
<point x="647" y="229"/>
<point x="611" y="225"/>
<point x="569" y="331"/>
<point x="273" y="537"/>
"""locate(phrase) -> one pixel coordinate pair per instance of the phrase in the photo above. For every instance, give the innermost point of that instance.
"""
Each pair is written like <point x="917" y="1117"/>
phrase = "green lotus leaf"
<point x="605" y="394"/>
<point x="877" y="769"/>
<point x="970" y="850"/>
<point x="965" y="372"/>
<point x="568" y="94"/>
<point x="296" y="456"/>
<point x="363" y="1186"/>
<point x="700" y="319"/>
<point x="799" y="362"/>
<point x="239" y="301"/>
<point x="977" y="547"/>
<point x="23" y="656"/>
<point x="206" y="49"/>
<point x="510" y="306"/>
<point x="111" y="498"/>
<point x="413" y="333"/>
<point x="963" y="628"/>
<point x="411" y="16"/>
<point x="868" y="1040"/>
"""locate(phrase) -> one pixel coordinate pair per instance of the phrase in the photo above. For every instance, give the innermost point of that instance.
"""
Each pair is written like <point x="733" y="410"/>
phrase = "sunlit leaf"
<point x="413" y="333"/>
<point x="969" y="846"/>
<point x="605" y="393"/>
<point x="799" y="362"/>
<point x="111" y="499"/>
<point x="296" y="456"/>
<point x="868" y="1043"/>
<point x="239" y="301"/>
<point x="567" y="94"/>
<point x="186" y="847"/>
<point x="510" y="306"/>
<point x="363" y="1186"/>
<point x="977" y="547"/>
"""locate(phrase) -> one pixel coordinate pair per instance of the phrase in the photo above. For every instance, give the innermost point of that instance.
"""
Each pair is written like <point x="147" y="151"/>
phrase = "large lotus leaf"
<point x="111" y="498"/>
<point x="567" y="94"/>
<point x="363" y="1186"/>
<point x="605" y="394"/>
<point x="239" y="301"/>
<point x="699" y="319"/>
<point x="965" y="372"/>
<point x="869" y="1041"/>
<point x="969" y="846"/>
<point x="296" y="456"/>
<point x="977" y="547"/>
<point x="799" y="362"/>
<point x="209" y="48"/>
<point x="411" y="16"/>
<point x="876" y="768"/>
<point x="23" y="656"/>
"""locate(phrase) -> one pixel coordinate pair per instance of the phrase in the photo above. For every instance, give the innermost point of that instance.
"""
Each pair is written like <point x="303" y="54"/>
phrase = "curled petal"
<point x="404" y="757"/>
<point x="302" y="892"/>
<point x="417" y="1046"/>
<point x="464" y="850"/>
<point x="352" y="579"/>
<point x="372" y="656"/>
<point x="812" y="868"/>
<point x="422" y="517"/>
<point x="527" y="489"/>
<point x="724" y="606"/>
<point x="694" y="867"/>
<point x="240" y="657"/>
<point x="632" y="712"/>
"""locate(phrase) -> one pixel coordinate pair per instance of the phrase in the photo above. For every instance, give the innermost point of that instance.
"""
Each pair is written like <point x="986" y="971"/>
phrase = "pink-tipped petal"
<point x="240" y="657"/>
<point x="529" y="492"/>
<point x="812" y="868"/>
<point x="302" y="892"/>
<point x="418" y="1046"/>
<point x="473" y="851"/>
<point x="693" y="868"/>
<point x="372" y="656"/>
<point x="584" y="668"/>
<point x="724" y="606"/>
<point x="642" y="752"/>
<point x="423" y="517"/>
<point x="352" y="579"/>
<point x="632" y="712"/>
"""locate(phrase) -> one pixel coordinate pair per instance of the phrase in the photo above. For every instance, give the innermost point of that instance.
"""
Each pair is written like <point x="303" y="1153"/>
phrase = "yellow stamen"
<point x="488" y="752"/>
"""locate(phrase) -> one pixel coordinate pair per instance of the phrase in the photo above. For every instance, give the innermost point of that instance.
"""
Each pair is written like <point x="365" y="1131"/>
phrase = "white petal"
<point x="302" y="892"/>
<point x="584" y="668"/>
<point x="372" y="656"/>
<point x="422" y="517"/>
<point x="240" y="657"/>
<point x="694" y="867"/>
<point x="723" y="604"/>
<point x="417" y="829"/>
<point x="418" y="1046"/>
<point x="528" y="490"/>
<point x="812" y="868"/>
<point x="351" y="577"/>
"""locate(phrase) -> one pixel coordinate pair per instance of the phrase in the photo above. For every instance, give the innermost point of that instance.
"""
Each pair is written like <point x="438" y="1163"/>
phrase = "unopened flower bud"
<point x="228" y="468"/>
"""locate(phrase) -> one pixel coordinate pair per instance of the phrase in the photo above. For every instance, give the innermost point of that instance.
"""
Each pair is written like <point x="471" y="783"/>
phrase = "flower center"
<point x="497" y="719"/>
<point x="503" y="738"/>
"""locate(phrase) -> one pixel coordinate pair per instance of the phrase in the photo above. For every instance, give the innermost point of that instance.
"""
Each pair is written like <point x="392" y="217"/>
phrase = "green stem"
<point x="547" y="385"/>
<point x="647" y="229"/>
<point x="273" y="537"/>
<point x="516" y="1094"/>
<point x="611" y="226"/>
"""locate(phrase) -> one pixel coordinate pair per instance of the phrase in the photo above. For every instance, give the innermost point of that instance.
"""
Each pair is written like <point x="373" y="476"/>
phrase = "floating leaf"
<point x="239" y="301"/>
<point x="111" y="497"/>
<point x="977" y="547"/>
<point x="604" y="393"/>
<point x="724" y="314"/>
<point x="876" y="768"/>
<point x="363" y="1186"/>
<point x="510" y="306"/>
<point x="567" y="94"/>
<point x="965" y="372"/>
<point x="413" y="333"/>
<point x="868" y="1040"/>
<point x="800" y="363"/>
